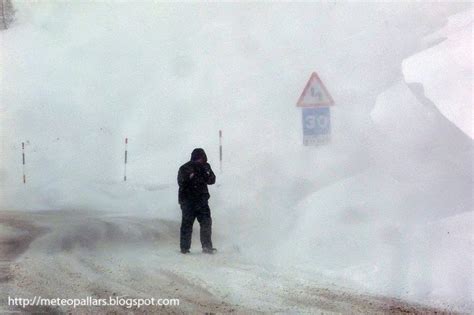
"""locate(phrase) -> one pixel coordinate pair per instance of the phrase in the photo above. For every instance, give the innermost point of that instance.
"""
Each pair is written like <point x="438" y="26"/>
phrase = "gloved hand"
<point x="207" y="168"/>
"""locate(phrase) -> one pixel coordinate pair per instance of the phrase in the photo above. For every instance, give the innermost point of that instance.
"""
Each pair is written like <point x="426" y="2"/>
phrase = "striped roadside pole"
<point x="23" y="158"/>
<point x="125" y="165"/>
<point x="220" y="150"/>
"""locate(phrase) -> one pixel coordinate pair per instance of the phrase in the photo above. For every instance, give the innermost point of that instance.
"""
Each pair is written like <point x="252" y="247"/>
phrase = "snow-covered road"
<point x="74" y="254"/>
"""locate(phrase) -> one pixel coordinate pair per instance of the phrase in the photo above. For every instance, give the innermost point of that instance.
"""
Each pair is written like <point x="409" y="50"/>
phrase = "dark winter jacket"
<point x="194" y="188"/>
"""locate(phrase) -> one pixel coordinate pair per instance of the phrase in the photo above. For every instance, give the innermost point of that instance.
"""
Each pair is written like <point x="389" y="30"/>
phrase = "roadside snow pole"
<point x="220" y="150"/>
<point x="23" y="158"/>
<point x="125" y="165"/>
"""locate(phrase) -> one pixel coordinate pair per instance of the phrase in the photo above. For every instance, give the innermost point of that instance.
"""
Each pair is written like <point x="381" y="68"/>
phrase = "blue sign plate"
<point x="316" y="125"/>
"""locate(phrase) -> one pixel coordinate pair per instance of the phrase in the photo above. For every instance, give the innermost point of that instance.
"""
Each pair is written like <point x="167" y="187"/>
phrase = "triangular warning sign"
<point x="315" y="94"/>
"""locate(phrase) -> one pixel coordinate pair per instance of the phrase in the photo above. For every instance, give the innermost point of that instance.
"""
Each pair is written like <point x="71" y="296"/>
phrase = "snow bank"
<point x="381" y="238"/>
<point x="404" y="226"/>
<point x="445" y="70"/>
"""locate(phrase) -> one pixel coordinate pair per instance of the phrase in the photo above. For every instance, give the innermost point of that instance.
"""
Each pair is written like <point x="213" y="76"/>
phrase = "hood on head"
<point x="197" y="154"/>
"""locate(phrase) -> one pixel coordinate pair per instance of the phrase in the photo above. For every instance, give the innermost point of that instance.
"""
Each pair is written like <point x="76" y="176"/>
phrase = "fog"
<point x="364" y="211"/>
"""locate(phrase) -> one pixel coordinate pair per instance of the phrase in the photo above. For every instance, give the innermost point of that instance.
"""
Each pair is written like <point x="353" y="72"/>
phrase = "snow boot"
<point x="184" y="251"/>
<point x="209" y="250"/>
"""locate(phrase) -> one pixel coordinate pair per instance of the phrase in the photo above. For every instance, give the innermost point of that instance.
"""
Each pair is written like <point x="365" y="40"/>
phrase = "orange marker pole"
<point x="125" y="165"/>
<point x="23" y="158"/>
<point x="220" y="150"/>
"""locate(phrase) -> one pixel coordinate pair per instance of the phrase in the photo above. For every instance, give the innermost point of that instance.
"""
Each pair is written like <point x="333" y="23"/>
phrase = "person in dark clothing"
<point x="193" y="178"/>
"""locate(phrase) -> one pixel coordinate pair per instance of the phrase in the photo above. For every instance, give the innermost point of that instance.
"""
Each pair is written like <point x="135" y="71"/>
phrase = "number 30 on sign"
<point x="316" y="125"/>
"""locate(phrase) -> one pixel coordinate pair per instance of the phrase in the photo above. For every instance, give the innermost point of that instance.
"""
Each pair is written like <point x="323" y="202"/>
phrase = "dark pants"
<point x="191" y="211"/>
